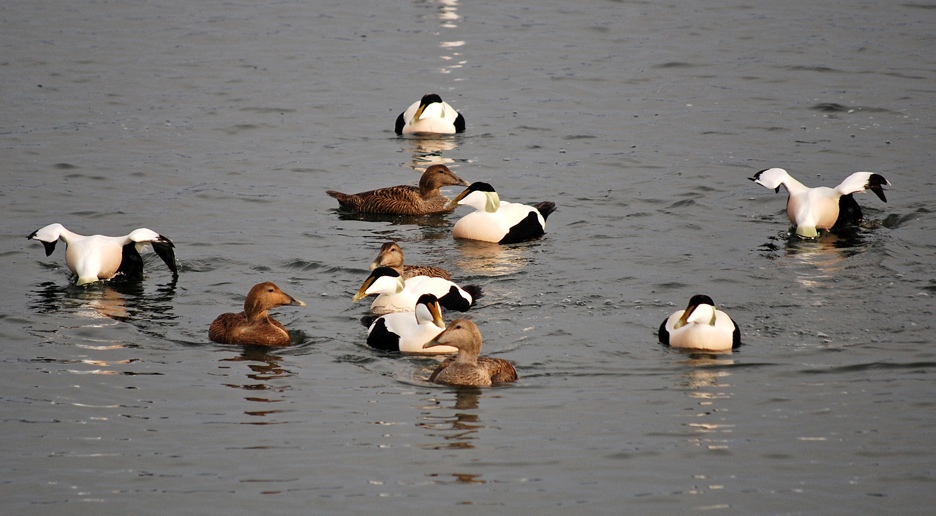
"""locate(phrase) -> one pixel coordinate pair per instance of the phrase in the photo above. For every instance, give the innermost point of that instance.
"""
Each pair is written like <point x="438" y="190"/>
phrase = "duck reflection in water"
<point x="815" y="261"/>
<point x="493" y="259"/>
<point x="123" y="300"/>
<point x="458" y="430"/>
<point x="428" y="150"/>
<point x="265" y="376"/>
<point x="705" y="384"/>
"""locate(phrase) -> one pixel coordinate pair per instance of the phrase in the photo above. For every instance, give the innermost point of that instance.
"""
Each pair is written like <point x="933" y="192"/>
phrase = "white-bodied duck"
<point x="700" y="327"/>
<point x="499" y="221"/>
<point x="406" y="332"/>
<point x="812" y="209"/>
<point x="98" y="257"/>
<point x="396" y="295"/>
<point x="430" y="115"/>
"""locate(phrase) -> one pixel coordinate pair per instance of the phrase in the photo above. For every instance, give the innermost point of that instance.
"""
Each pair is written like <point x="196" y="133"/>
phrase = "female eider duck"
<point x="812" y="209"/>
<point x="406" y="332"/>
<point x="405" y="199"/>
<point x="99" y="257"/>
<point x="499" y="221"/>
<point x="254" y="326"/>
<point x="391" y="255"/>
<point x="430" y="115"/>
<point x="396" y="295"/>
<point x="700" y="327"/>
<point x="467" y="368"/>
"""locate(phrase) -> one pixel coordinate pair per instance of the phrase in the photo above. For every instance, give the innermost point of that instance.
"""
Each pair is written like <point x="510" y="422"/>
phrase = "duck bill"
<point x="436" y="314"/>
<point x="432" y="343"/>
<point x="295" y="302"/>
<point x="685" y="317"/>
<point x="454" y="202"/>
<point x="362" y="292"/>
<point x="419" y="112"/>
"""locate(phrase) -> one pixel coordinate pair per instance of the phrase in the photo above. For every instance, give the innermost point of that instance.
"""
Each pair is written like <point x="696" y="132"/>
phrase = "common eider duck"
<point x="424" y="199"/>
<point x="391" y="255"/>
<point x="254" y="326"/>
<point x="406" y="332"/>
<point x="430" y="115"/>
<point x="97" y="257"/>
<point x="700" y="327"/>
<point x="467" y="368"/>
<point x="499" y="221"/>
<point x="812" y="209"/>
<point x="396" y="295"/>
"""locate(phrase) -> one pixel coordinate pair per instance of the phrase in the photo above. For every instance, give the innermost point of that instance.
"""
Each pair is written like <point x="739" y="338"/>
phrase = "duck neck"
<point x="464" y="357"/>
<point x="792" y="185"/>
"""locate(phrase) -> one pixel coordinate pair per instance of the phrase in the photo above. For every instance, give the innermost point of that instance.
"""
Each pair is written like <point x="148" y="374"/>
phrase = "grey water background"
<point x="220" y="125"/>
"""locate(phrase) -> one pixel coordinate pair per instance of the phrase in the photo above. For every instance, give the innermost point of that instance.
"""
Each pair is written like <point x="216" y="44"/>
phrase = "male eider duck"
<point x="254" y="326"/>
<point x="468" y="368"/>
<point x="405" y="199"/>
<point x="406" y="332"/>
<point x="396" y="295"/>
<point x="391" y="255"/>
<point x="700" y="327"/>
<point x="812" y="209"/>
<point x="430" y="115"/>
<point x="499" y="221"/>
<point x="99" y="257"/>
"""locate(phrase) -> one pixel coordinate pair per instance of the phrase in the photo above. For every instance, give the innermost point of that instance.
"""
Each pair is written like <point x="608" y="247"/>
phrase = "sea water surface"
<point x="221" y="124"/>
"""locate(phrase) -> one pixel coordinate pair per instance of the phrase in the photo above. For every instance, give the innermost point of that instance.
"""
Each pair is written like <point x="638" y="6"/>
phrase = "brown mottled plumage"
<point x="467" y="368"/>
<point x="405" y="199"/>
<point x="391" y="255"/>
<point x="254" y="326"/>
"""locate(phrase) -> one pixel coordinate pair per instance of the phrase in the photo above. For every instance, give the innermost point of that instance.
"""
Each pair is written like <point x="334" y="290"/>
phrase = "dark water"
<point x="220" y="125"/>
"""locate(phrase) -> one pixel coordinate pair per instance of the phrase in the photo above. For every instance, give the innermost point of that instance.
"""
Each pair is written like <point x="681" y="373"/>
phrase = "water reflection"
<point x="705" y="383"/>
<point x="426" y="150"/>
<point x="123" y="301"/>
<point x="264" y="374"/>
<point x="457" y="430"/>
<point x="815" y="261"/>
<point x="492" y="259"/>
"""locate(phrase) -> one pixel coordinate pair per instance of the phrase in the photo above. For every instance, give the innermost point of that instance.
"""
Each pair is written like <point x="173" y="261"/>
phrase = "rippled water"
<point x="220" y="125"/>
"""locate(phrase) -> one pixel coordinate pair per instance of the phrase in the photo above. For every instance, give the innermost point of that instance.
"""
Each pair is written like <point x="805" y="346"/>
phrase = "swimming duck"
<point x="700" y="327"/>
<point x="254" y="326"/>
<point x="396" y="295"/>
<point x="499" y="221"/>
<point x="406" y="332"/>
<point x="468" y="368"/>
<point x="99" y="257"/>
<point x="812" y="209"/>
<point x="391" y="255"/>
<point x="430" y="115"/>
<point x="405" y="199"/>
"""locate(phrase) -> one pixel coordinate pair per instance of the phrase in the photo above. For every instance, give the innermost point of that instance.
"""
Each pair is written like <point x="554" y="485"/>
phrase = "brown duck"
<point x="391" y="255"/>
<point x="467" y="368"/>
<point x="253" y="326"/>
<point x="405" y="199"/>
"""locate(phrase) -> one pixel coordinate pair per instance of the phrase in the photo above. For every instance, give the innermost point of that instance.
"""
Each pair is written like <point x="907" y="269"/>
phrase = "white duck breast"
<point x="395" y="295"/>
<point x="97" y="257"/>
<point x="406" y="332"/>
<point x="700" y="327"/>
<point x="812" y="209"/>
<point x="430" y="115"/>
<point x="499" y="221"/>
